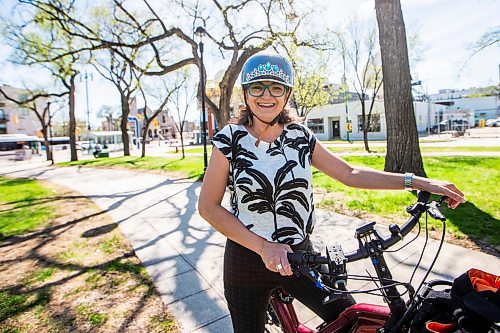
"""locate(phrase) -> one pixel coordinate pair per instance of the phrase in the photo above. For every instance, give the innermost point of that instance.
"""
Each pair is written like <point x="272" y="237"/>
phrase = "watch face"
<point x="408" y="181"/>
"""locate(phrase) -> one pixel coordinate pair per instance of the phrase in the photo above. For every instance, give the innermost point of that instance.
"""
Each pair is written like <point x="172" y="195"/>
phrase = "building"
<point x="18" y="120"/>
<point x="163" y="126"/>
<point x="464" y="104"/>
<point x="329" y="122"/>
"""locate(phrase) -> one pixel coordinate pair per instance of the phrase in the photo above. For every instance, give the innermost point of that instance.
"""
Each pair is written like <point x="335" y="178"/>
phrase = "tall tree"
<point x="164" y="36"/>
<point x="182" y="100"/>
<point x="39" y="41"/>
<point x="126" y="80"/>
<point x="358" y="47"/>
<point x="237" y="40"/>
<point x="110" y="114"/>
<point x="403" y="150"/>
<point x="164" y="97"/>
<point x="311" y="89"/>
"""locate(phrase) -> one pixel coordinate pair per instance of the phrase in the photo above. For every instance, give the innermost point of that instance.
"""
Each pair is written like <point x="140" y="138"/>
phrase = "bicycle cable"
<point x="367" y="291"/>
<point x="435" y="257"/>
<point x="423" y="249"/>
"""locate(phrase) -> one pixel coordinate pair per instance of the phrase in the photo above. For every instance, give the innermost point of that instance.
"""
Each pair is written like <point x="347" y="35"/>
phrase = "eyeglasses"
<point x="258" y="89"/>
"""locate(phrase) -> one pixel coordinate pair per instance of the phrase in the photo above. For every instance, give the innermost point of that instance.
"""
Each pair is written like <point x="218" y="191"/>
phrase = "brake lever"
<point x="434" y="211"/>
<point x="312" y="274"/>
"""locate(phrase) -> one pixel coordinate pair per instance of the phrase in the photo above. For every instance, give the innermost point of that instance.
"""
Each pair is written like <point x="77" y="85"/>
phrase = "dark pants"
<point x="248" y="285"/>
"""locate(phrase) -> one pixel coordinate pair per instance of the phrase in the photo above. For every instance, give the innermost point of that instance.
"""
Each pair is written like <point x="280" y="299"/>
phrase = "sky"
<point x="446" y="29"/>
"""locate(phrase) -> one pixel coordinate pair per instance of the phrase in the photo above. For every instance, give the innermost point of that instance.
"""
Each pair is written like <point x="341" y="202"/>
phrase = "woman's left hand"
<point x="454" y="196"/>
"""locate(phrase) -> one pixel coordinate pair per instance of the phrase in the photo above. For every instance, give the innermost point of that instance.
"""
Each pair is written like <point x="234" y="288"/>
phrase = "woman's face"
<point x="266" y="99"/>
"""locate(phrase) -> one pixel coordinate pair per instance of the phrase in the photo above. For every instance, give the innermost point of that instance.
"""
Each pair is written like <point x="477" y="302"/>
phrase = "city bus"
<point x="19" y="146"/>
<point x="59" y="142"/>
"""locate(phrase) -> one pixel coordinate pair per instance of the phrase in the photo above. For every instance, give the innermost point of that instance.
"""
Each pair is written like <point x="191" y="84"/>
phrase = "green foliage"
<point x="22" y="211"/>
<point x="486" y="91"/>
<point x="311" y="89"/>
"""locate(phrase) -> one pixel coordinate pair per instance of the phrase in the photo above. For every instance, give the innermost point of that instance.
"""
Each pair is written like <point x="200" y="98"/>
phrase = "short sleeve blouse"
<point x="271" y="185"/>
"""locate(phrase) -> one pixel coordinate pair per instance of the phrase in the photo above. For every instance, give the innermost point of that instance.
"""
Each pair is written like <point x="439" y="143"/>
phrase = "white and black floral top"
<point x="271" y="185"/>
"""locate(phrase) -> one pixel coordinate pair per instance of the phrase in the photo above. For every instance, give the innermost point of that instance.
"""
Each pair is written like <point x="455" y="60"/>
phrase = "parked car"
<point x="450" y="125"/>
<point x="493" y="122"/>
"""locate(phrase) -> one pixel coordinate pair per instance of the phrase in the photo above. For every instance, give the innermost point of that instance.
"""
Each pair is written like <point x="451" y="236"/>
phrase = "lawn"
<point x="191" y="167"/>
<point x="72" y="271"/>
<point x="477" y="177"/>
<point x="380" y="149"/>
<point x="22" y="206"/>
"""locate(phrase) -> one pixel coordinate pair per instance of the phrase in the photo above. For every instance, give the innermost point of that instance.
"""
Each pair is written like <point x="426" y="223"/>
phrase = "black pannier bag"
<point x="471" y="305"/>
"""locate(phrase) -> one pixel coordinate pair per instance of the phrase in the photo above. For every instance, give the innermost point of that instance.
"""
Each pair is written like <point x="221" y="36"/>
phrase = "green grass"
<point x="40" y="275"/>
<point x="381" y="149"/>
<point x="477" y="177"/>
<point x="111" y="244"/>
<point x="190" y="167"/>
<point x="94" y="318"/>
<point x="163" y="323"/>
<point x="20" y="210"/>
<point x="12" y="304"/>
<point x="124" y="266"/>
<point x="187" y="150"/>
<point x="93" y="279"/>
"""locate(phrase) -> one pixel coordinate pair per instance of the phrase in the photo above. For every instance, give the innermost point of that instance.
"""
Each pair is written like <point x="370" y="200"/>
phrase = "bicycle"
<point x="361" y="317"/>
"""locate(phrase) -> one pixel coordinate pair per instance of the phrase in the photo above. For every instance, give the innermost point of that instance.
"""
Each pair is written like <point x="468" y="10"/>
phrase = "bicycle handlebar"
<point x="397" y="233"/>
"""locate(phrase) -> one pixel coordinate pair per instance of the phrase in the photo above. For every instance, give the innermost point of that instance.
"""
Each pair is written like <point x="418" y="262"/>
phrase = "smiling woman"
<point x="266" y="161"/>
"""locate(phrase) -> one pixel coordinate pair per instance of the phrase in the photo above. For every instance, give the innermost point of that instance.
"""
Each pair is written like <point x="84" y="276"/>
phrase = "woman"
<point x="265" y="160"/>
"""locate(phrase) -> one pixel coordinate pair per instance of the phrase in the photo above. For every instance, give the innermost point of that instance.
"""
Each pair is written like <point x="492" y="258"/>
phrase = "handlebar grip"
<point x="295" y="258"/>
<point x="301" y="257"/>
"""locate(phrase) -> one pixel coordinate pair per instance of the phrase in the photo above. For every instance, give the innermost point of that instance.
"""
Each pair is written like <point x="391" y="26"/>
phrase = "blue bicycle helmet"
<point x="267" y="67"/>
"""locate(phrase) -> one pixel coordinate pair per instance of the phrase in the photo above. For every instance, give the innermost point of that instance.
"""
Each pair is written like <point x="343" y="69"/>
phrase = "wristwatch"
<point x="408" y="181"/>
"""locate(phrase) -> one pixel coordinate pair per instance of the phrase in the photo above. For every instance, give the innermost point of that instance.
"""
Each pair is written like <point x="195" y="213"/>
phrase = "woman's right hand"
<point x="274" y="254"/>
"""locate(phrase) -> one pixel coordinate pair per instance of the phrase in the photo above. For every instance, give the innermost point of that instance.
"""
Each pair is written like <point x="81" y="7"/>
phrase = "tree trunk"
<point x="182" y="146"/>
<point x="144" y="135"/>
<point x="48" y="148"/>
<point x="124" y="125"/>
<point x="72" y="120"/>
<point x="223" y="114"/>
<point x="366" y="123"/>
<point x="403" y="151"/>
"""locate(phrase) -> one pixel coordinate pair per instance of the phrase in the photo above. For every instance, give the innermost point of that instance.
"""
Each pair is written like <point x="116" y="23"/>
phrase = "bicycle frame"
<point x="360" y="318"/>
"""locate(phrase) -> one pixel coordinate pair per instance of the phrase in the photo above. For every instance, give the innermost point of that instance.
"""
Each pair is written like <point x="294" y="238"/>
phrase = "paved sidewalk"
<point x="183" y="254"/>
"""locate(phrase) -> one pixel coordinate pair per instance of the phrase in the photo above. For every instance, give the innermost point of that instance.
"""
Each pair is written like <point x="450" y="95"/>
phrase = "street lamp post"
<point x="86" y="77"/>
<point x="200" y="32"/>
